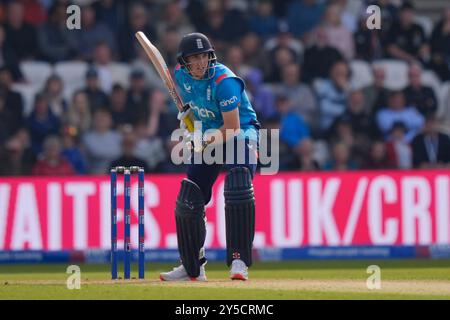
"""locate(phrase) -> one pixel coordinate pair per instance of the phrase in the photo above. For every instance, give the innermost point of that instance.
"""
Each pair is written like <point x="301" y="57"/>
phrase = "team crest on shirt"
<point x="187" y="87"/>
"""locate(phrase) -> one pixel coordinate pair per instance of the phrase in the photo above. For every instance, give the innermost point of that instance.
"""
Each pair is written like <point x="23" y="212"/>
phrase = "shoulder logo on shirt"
<point x="187" y="87"/>
<point x="226" y="102"/>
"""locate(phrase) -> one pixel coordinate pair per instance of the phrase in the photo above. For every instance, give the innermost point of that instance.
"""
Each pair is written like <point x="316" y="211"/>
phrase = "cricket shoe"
<point x="239" y="271"/>
<point x="180" y="274"/>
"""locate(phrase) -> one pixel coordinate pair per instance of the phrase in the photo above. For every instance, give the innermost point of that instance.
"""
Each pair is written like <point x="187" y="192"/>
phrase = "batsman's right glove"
<point x="189" y="136"/>
<point x="186" y="115"/>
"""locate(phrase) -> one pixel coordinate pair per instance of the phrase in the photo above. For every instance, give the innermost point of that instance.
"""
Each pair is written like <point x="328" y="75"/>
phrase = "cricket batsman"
<point x="215" y="96"/>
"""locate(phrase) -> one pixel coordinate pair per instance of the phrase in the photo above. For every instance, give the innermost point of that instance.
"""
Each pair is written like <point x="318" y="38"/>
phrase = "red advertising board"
<point x="293" y="210"/>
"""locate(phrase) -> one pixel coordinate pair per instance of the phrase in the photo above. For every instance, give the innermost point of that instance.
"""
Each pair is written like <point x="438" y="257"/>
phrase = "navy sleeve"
<point x="228" y="93"/>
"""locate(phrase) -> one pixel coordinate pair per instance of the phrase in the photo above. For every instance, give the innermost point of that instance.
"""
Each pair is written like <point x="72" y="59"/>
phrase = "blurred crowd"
<point x="299" y="59"/>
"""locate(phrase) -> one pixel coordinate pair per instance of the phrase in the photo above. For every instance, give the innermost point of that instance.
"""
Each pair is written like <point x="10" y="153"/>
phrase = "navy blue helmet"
<point x="194" y="43"/>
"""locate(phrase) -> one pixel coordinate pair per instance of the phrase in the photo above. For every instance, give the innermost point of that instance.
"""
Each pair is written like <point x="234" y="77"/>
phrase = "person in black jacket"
<point x="320" y="57"/>
<point x="431" y="148"/>
<point x="419" y="95"/>
<point x="440" y="47"/>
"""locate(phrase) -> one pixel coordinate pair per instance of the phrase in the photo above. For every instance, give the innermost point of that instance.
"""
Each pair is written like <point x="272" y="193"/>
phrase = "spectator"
<point x="368" y="42"/>
<point x="280" y="58"/>
<point x="56" y="41"/>
<point x="332" y="95"/>
<point x="137" y="96"/>
<point x="342" y="131"/>
<point x="8" y="57"/>
<point x="339" y="36"/>
<point x="293" y="128"/>
<point x="431" y="148"/>
<point x="253" y="53"/>
<point x="375" y="95"/>
<point x="261" y="97"/>
<point x="444" y="112"/>
<point x="104" y="64"/>
<point x="128" y="158"/>
<point x="101" y="144"/>
<point x="388" y="11"/>
<point x="139" y="20"/>
<point x="111" y="13"/>
<point x="378" y="157"/>
<point x="320" y="57"/>
<point x="92" y="33"/>
<point x="285" y="151"/>
<point x="349" y="13"/>
<point x="300" y="95"/>
<point x="397" y="110"/>
<point x="356" y="112"/>
<point x="41" y="123"/>
<point x="119" y="112"/>
<point x="417" y="95"/>
<point x="354" y="126"/>
<point x="71" y="150"/>
<point x="284" y="39"/>
<point x="263" y="22"/>
<point x="341" y="160"/>
<point x="235" y="61"/>
<point x="304" y="157"/>
<point x="20" y="36"/>
<point x="169" y="46"/>
<point x="79" y="113"/>
<point x="195" y="9"/>
<point x="440" y="47"/>
<point x="54" y="88"/>
<point x="174" y="19"/>
<point x="161" y="120"/>
<point x="398" y="149"/>
<point x="149" y="148"/>
<point x="51" y="162"/>
<point x="303" y="16"/>
<point x="224" y="24"/>
<point x="13" y="100"/>
<point x="406" y="39"/>
<point x="97" y="97"/>
<point x="7" y="126"/>
<point x="16" y="156"/>
<point x="34" y="12"/>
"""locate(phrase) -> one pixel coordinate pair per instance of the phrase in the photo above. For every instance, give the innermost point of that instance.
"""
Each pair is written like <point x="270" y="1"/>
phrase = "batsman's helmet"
<point x="194" y="43"/>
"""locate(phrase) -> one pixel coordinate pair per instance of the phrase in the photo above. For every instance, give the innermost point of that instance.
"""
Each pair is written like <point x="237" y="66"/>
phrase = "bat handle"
<point x="189" y="124"/>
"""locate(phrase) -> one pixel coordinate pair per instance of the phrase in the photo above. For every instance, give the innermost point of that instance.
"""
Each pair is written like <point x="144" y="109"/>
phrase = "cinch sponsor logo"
<point x="226" y="102"/>
<point x="203" y="112"/>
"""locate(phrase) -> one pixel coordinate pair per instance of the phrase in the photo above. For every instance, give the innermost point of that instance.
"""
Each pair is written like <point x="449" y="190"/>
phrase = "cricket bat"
<point x="161" y="67"/>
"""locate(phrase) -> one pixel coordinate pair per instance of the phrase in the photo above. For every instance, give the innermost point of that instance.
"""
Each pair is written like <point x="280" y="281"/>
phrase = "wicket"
<point x="127" y="172"/>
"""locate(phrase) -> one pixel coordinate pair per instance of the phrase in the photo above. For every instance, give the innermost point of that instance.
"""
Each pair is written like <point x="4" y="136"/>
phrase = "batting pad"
<point x="191" y="228"/>
<point x="239" y="215"/>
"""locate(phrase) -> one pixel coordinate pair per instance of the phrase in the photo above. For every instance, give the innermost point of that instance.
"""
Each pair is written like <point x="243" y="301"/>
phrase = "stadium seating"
<point x="361" y="74"/>
<point x="71" y="72"/>
<point x="36" y="72"/>
<point x="121" y="74"/>
<point x="426" y="23"/>
<point x="396" y="73"/>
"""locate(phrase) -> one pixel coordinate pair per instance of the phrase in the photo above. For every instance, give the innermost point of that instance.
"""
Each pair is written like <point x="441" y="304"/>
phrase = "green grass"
<point x="284" y="280"/>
